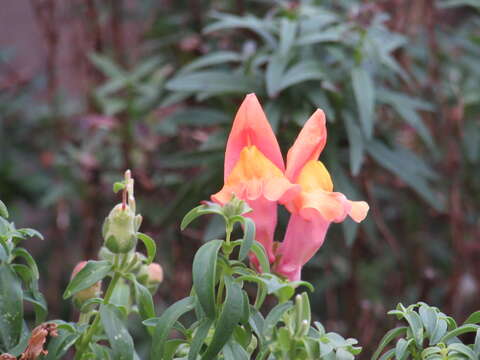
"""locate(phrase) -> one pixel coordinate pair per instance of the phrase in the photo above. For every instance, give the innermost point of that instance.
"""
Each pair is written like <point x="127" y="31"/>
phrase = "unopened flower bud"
<point x="155" y="273"/>
<point x="236" y="207"/>
<point x="105" y="254"/>
<point x="120" y="229"/>
<point x="92" y="292"/>
<point x="151" y="276"/>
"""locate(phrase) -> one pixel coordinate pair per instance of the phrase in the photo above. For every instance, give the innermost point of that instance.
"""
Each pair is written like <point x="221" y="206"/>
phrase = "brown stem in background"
<point x="45" y="12"/>
<point x="380" y="222"/>
<point x="116" y="23"/>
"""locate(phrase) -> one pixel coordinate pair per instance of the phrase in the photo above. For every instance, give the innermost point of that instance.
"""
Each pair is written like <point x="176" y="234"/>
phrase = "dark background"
<point x="89" y="88"/>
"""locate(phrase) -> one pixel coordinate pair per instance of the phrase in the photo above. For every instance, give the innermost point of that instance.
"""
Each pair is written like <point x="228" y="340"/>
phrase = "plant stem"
<point x="93" y="328"/>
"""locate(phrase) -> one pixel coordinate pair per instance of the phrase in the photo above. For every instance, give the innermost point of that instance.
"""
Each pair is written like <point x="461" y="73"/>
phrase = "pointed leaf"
<point x="11" y="308"/>
<point x="364" y="92"/>
<point x="165" y="324"/>
<point x="388" y="337"/>
<point x="118" y="335"/>
<point x="149" y="245"/>
<point x="228" y="320"/>
<point x="204" y="270"/>
<point x="3" y="210"/>
<point x="93" y="272"/>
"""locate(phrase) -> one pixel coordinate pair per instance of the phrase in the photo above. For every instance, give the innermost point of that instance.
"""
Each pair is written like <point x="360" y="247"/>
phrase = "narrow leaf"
<point x="165" y="324"/>
<point x="11" y="308"/>
<point x="229" y="318"/>
<point x="248" y="238"/>
<point x="389" y="336"/>
<point x="118" y="336"/>
<point x="199" y="338"/>
<point x="92" y="272"/>
<point x="364" y="92"/>
<point x="204" y="270"/>
<point x="261" y="254"/>
<point x="149" y="245"/>
<point x="3" y="210"/>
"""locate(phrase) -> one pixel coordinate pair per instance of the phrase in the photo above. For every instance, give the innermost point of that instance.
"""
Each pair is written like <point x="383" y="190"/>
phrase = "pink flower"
<point x="254" y="170"/>
<point x="316" y="206"/>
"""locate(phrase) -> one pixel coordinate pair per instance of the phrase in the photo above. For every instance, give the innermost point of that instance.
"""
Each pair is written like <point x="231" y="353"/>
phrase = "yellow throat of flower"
<point x="252" y="164"/>
<point x="314" y="176"/>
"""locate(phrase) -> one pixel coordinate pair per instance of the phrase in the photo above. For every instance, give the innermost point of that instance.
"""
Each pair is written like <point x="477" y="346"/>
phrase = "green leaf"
<point x="301" y="72"/>
<point x="274" y="74"/>
<point x="473" y="318"/>
<point x="401" y="348"/>
<point x="21" y="252"/>
<point x="204" y="269"/>
<point x="357" y="147"/>
<point x="274" y="317"/>
<point x="215" y="58"/>
<point x="39" y="304"/>
<point x="332" y="34"/>
<point x="149" y="245"/>
<point x="212" y="82"/>
<point x="87" y="304"/>
<point x="31" y="233"/>
<point x="430" y="351"/>
<point x="387" y="355"/>
<point x="171" y="346"/>
<point x="118" y="335"/>
<point x="462" y="349"/>
<point x="93" y="272"/>
<point x="248" y="238"/>
<point x="11" y="308"/>
<point x="459" y="331"/>
<point x="364" y="92"/>
<point x="261" y="254"/>
<point x="429" y="318"/>
<point x="440" y="330"/>
<point x="288" y="32"/>
<point x="412" y="171"/>
<point x="234" y="351"/>
<point x="119" y="185"/>
<point x="199" y="338"/>
<point x="106" y="65"/>
<point x="387" y="338"/>
<point x="144" y="301"/>
<point x="416" y="326"/>
<point x="59" y="345"/>
<point x="204" y="209"/>
<point x="165" y="324"/>
<point x="476" y="346"/>
<point x="3" y="210"/>
<point x="257" y="322"/>
<point x="258" y="26"/>
<point x="342" y="354"/>
<point x="229" y="318"/>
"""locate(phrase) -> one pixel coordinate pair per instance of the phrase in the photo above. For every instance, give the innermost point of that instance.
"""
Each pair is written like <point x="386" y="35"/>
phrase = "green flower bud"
<point x="151" y="276"/>
<point x="105" y="254"/>
<point x="236" y="207"/>
<point x="92" y="292"/>
<point x="120" y="230"/>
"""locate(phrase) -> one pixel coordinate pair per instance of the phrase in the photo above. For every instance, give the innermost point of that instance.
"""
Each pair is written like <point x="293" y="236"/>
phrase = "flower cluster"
<point x="255" y="172"/>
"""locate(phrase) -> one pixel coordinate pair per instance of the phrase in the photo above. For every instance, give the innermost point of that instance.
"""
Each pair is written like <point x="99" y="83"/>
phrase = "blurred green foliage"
<point x="400" y="86"/>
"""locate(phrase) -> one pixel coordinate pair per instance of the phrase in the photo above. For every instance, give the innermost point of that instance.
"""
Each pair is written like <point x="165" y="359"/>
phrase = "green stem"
<point x="221" y="285"/>
<point x="93" y="328"/>
<point x="260" y="298"/>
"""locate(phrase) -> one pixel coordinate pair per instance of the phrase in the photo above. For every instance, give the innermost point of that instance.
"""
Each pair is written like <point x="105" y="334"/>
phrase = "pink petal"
<point x="302" y="240"/>
<point x="264" y="215"/>
<point x="308" y="145"/>
<point x="359" y="210"/>
<point x="251" y="127"/>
